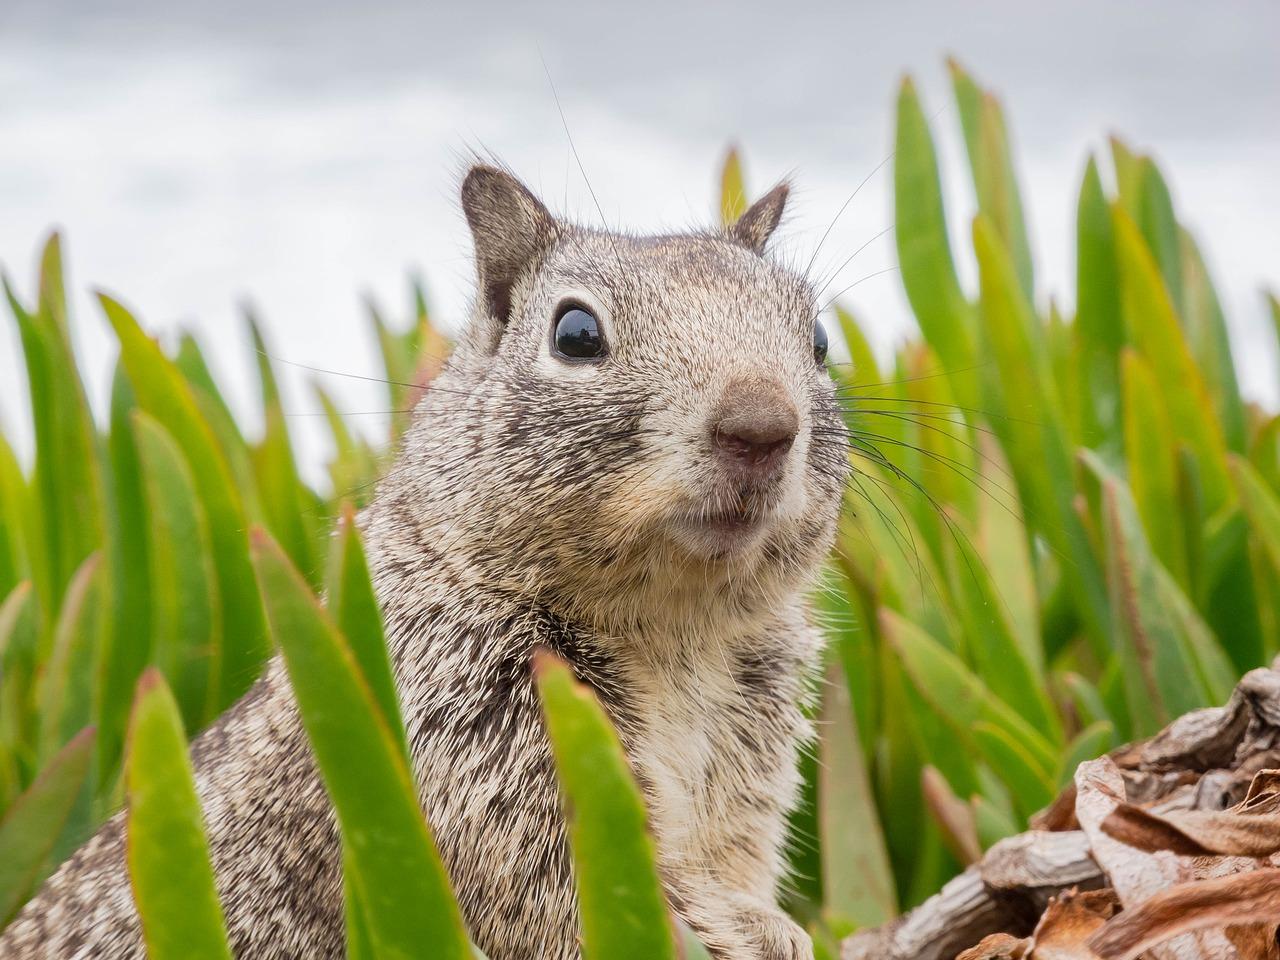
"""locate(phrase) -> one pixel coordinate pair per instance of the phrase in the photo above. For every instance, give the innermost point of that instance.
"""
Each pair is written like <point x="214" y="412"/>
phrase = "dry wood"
<point x="1166" y="849"/>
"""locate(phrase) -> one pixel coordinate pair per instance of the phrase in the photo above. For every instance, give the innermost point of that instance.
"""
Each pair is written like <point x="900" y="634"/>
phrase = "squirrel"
<point x="633" y="458"/>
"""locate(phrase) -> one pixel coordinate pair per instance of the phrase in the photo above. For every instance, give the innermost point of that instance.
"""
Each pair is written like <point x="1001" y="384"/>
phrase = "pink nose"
<point x="754" y="427"/>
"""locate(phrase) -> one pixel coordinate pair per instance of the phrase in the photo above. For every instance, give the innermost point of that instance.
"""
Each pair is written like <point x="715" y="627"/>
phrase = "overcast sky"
<point x="301" y="154"/>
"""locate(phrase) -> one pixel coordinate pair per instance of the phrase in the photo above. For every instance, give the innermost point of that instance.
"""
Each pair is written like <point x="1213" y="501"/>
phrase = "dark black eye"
<point x="577" y="334"/>
<point x="819" y="342"/>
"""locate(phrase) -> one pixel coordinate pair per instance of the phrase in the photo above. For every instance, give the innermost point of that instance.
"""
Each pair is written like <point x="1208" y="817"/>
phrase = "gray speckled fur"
<point x="536" y="502"/>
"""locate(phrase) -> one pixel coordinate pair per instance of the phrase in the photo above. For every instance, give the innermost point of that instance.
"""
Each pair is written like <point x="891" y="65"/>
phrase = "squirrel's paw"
<point x="776" y="936"/>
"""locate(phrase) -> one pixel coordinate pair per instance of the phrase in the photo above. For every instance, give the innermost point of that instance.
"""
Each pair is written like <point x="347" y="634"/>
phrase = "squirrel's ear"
<point x="511" y="230"/>
<point x="754" y="227"/>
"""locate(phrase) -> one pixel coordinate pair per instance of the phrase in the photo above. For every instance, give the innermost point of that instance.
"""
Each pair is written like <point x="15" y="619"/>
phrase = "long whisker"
<point x="927" y="376"/>
<point x="844" y="206"/>
<point x="870" y="276"/>
<point x="573" y="147"/>
<point x="849" y="260"/>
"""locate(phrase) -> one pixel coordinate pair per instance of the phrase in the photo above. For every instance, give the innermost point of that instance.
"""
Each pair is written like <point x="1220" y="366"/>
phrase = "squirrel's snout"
<point x="754" y="427"/>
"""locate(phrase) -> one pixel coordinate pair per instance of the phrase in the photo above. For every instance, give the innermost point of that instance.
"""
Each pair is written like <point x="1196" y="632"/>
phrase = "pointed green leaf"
<point x="995" y="651"/>
<point x="1260" y="505"/>
<point x="165" y="395"/>
<point x="167" y="851"/>
<point x="187" y="636"/>
<point x="1089" y="744"/>
<point x="957" y="695"/>
<point x="127" y="645"/>
<point x="283" y="497"/>
<point x="1155" y="332"/>
<point x="403" y="886"/>
<point x="1210" y="342"/>
<point x="623" y="910"/>
<point x="32" y="825"/>
<point x="1099" y="324"/>
<point x="68" y="689"/>
<point x="1032" y="788"/>
<point x="354" y="608"/>
<point x="1148" y="441"/>
<point x="924" y="250"/>
<point x="857" y="880"/>
<point x="1033" y="433"/>
<point x="1159" y="227"/>
<point x="1161" y="673"/>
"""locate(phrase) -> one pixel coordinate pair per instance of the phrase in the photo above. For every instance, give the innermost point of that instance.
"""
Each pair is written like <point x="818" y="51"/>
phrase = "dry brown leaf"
<point x="1207" y="786"/>
<point x="1196" y="833"/>
<point x="953" y="816"/>
<point x="998" y="946"/>
<point x="1068" y="923"/>
<point x="1255" y="941"/>
<point x="1136" y="875"/>
<point x="1189" y="907"/>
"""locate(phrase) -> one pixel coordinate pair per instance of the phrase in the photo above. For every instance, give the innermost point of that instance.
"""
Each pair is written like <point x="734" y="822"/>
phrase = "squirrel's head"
<point x="631" y="422"/>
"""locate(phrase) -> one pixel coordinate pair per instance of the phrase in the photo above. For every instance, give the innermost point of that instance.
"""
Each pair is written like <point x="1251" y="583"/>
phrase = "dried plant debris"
<point x="1167" y="849"/>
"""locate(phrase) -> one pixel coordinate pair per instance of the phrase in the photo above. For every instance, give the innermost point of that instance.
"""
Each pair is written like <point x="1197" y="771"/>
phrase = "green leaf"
<point x="990" y="160"/>
<point x="127" y="645"/>
<point x="68" y="474"/>
<point x="1033" y="433"/>
<point x="1099" y="325"/>
<point x="1210" y="342"/>
<point x="1162" y="675"/>
<point x="284" y="499"/>
<point x="32" y="825"/>
<point x="354" y="608"/>
<point x="1009" y="758"/>
<point x="1089" y="744"/>
<point x="163" y="393"/>
<point x="1003" y="548"/>
<point x="995" y="651"/>
<point x="857" y="880"/>
<point x="863" y="369"/>
<point x="68" y="690"/>
<point x="623" y="910"/>
<point x="354" y="466"/>
<point x="187" y="637"/>
<point x="403" y="887"/>
<point x="1148" y="441"/>
<point x="1159" y="227"/>
<point x="1154" y="331"/>
<point x="924" y="250"/>
<point x="1261" y="507"/>
<point x="958" y="696"/>
<point x="733" y="190"/>
<point x="14" y="513"/>
<point x="167" y="852"/>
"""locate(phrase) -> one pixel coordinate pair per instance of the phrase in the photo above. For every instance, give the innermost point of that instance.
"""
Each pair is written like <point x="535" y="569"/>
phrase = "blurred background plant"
<point x="1063" y="532"/>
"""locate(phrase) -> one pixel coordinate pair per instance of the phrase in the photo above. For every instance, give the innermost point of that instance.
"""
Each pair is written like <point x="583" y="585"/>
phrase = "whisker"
<point x="850" y="259"/>
<point x="844" y="206"/>
<point x="929" y="376"/>
<point x="840" y="293"/>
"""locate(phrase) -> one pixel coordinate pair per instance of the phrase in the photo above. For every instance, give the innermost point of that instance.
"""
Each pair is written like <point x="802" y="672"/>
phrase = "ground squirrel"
<point x="633" y="458"/>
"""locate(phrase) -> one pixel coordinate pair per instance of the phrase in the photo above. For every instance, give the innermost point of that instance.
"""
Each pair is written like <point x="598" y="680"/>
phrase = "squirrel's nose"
<point x="754" y="426"/>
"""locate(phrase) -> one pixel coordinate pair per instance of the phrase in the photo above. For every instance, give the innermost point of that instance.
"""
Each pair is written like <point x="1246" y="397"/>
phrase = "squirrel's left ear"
<point x="754" y="227"/>
<point x="511" y="230"/>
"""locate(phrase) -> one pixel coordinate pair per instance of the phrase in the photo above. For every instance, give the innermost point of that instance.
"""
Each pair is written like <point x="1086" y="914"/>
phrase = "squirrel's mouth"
<point x="721" y="531"/>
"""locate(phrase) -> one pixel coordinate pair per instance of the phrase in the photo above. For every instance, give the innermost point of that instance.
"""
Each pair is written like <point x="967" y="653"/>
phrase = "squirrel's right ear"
<point x="754" y="228"/>
<point x="511" y="231"/>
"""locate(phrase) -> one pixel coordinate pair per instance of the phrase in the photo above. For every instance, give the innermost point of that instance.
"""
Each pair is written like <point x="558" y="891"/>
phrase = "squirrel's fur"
<point x="538" y="502"/>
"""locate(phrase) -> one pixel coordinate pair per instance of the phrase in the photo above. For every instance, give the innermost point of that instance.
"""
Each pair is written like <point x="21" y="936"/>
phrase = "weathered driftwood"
<point x="1167" y="849"/>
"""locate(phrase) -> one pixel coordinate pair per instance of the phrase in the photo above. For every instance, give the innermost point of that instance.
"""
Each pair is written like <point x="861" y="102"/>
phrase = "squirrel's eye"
<point x="819" y="342"/>
<point x="577" y="334"/>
